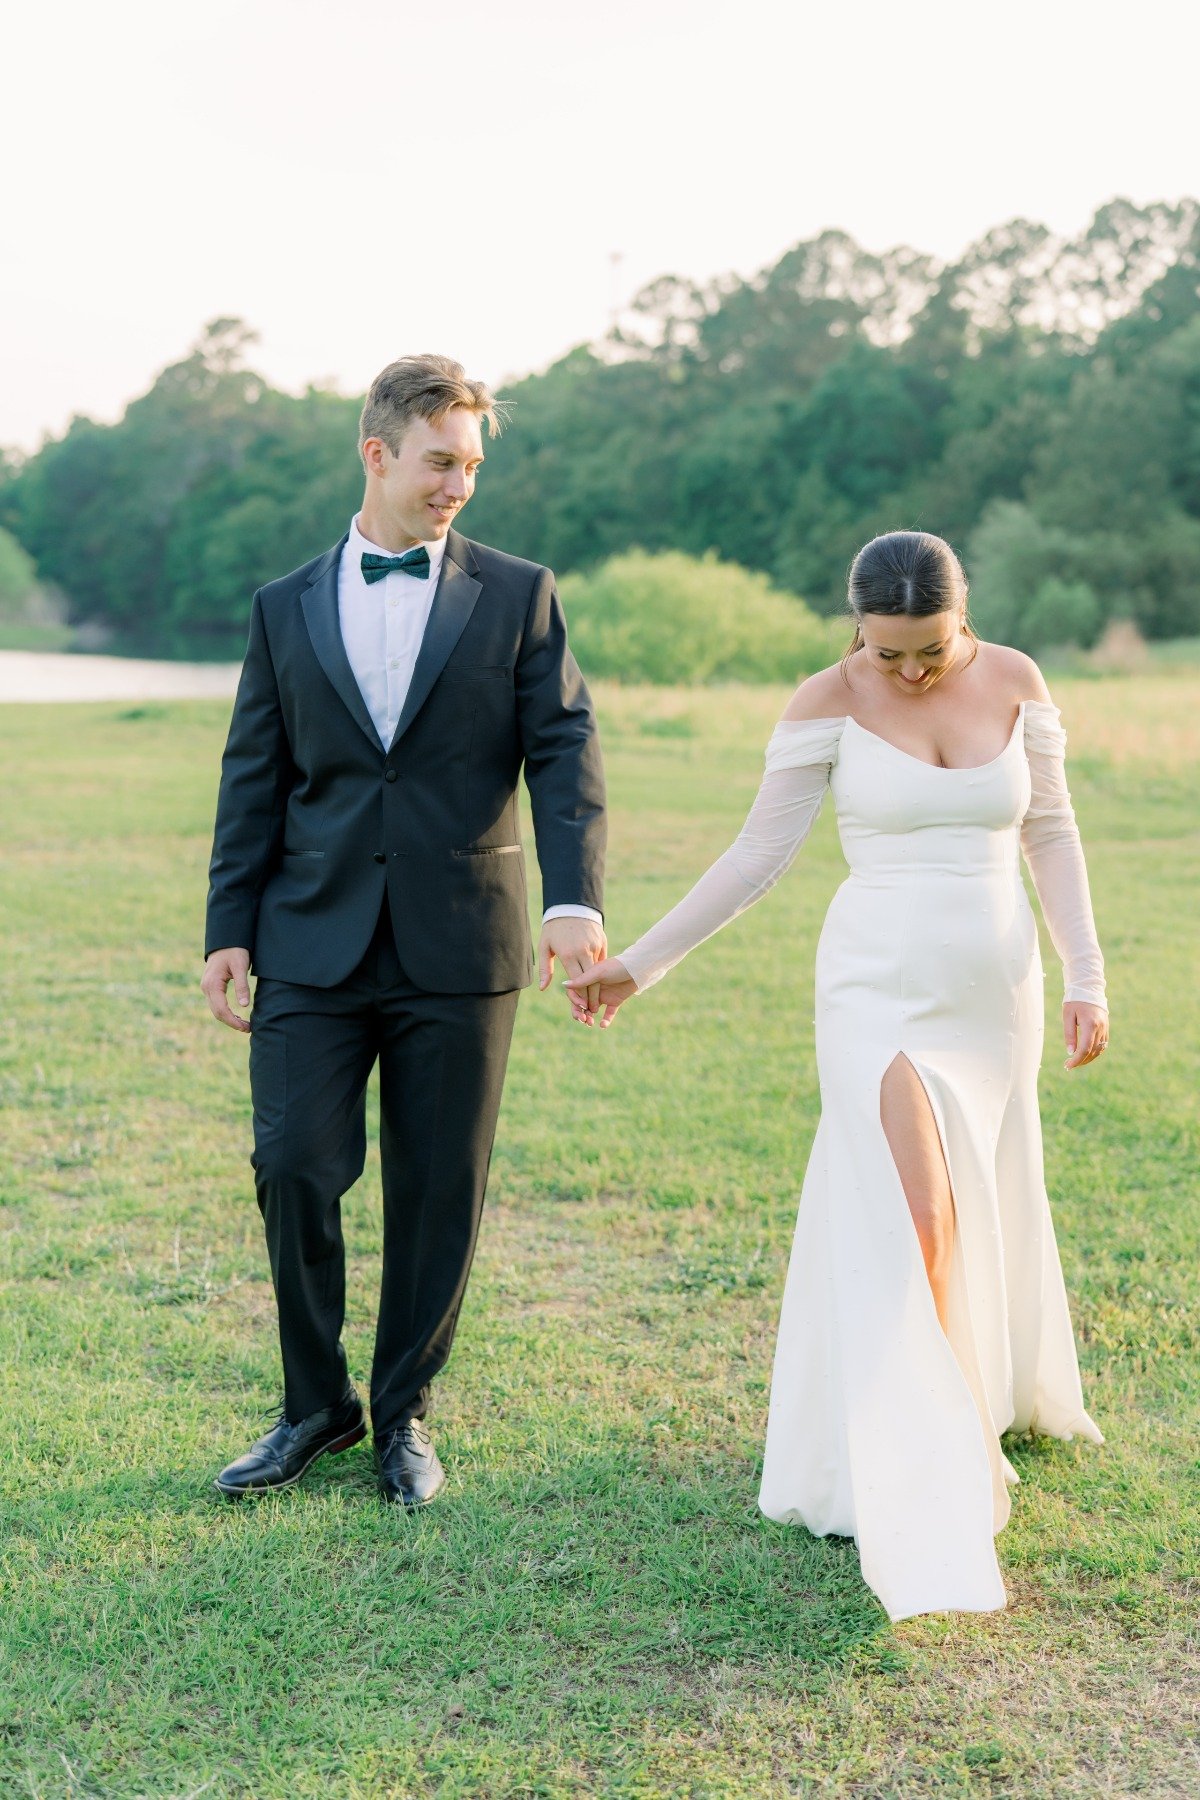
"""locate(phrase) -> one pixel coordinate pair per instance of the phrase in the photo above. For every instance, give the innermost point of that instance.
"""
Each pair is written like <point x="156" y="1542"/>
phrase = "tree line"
<point x="1036" y="402"/>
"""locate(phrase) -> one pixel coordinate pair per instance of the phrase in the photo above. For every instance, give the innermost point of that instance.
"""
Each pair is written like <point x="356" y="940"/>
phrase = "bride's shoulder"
<point x="1013" y="672"/>
<point x="821" y="696"/>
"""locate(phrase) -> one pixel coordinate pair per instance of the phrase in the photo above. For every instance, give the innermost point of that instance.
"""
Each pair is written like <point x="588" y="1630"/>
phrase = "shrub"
<point x="675" y="619"/>
<point x="18" y="579"/>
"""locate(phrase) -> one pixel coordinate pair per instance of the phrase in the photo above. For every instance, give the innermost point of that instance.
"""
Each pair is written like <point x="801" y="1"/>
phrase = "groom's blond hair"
<point x="423" y="387"/>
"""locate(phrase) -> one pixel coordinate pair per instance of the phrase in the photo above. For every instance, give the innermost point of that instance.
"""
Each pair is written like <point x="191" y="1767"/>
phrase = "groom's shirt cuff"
<point x="572" y="912"/>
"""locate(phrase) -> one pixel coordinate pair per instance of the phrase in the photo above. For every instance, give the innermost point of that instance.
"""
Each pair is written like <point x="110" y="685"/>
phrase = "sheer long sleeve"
<point x="798" y="760"/>
<point x="1050" y="842"/>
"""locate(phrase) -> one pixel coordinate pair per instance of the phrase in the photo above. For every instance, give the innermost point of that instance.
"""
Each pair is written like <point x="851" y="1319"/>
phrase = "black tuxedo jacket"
<point x="315" y="820"/>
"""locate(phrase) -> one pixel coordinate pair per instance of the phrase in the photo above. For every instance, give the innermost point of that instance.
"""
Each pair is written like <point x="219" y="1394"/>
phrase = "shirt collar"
<point x="357" y="543"/>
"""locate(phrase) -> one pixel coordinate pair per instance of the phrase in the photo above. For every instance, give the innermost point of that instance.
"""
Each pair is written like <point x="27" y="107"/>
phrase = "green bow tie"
<point x="413" y="562"/>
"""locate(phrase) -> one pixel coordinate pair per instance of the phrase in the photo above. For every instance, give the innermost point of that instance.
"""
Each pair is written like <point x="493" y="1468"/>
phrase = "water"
<point x="35" y="675"/>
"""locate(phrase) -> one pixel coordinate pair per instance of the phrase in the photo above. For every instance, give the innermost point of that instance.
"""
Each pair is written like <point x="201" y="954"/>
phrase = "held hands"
<point x="577" y="943"/>
<point x="1085" y="1028"/>
<point x="608" y="985"/>
<point x="222" y="967"/>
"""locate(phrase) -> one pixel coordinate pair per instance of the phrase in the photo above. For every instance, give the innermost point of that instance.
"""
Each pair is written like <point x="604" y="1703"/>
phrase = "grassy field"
<point x="595" y="1608"/>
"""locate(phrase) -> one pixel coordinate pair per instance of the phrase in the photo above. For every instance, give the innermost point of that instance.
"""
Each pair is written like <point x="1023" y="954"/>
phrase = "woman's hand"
<point x="1085" y="1028"/>
<point x="611" y="981"/>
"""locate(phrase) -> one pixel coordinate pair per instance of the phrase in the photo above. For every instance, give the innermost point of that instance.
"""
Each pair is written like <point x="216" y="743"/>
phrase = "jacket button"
<point x="379" y="856"/>
<point x="389" y="774"/>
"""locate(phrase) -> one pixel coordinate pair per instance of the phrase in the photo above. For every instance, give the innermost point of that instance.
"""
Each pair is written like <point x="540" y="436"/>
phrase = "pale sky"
<point x="359" y="179"/>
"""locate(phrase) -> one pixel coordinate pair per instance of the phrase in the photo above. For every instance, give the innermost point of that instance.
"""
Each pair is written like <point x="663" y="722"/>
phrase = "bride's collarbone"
<point x="968" y="733"/>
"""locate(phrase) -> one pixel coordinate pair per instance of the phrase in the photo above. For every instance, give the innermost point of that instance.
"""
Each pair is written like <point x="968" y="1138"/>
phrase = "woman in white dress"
<point x="924" y="1312"/>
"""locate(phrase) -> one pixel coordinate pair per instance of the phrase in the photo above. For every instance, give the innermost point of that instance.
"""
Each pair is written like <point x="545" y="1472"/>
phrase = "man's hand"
<point x="577" y="943"/>
<point x="222" y="967"/>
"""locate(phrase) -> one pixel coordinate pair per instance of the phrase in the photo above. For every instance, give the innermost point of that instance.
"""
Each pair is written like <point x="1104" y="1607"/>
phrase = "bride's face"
<point x="910" y="654"/>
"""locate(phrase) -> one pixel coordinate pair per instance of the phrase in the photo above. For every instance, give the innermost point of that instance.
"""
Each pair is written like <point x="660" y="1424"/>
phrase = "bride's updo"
<point x="906" y="572"/>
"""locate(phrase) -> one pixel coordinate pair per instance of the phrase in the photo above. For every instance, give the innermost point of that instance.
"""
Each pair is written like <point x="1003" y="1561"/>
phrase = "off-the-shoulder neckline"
<point x="942" y="768"/>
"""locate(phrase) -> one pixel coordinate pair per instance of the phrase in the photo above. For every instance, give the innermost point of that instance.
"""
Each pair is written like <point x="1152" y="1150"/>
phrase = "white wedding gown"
<point x="881" y="1426"/>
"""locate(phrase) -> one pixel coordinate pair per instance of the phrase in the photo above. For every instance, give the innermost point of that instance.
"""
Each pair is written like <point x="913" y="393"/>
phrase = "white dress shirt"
<point x="382" y="626"/>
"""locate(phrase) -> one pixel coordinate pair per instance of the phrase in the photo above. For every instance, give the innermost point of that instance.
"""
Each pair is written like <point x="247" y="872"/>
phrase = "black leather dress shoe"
<point x="290" y="1446"/>
<point x="409" y="1471"/>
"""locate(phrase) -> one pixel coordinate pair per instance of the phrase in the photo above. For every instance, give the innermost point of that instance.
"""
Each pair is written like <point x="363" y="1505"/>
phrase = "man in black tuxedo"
<point x="367" y="864"/>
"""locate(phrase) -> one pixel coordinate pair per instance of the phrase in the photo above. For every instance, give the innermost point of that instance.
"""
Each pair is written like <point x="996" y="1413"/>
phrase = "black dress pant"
<point x="441" y="1060"/>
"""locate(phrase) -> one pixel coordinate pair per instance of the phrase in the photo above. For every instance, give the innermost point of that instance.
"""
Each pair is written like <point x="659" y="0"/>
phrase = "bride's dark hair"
<point x="909" y="573"/>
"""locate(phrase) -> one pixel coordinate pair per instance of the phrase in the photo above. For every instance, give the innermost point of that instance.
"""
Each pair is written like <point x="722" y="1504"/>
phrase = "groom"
<point x="367" y="863"/>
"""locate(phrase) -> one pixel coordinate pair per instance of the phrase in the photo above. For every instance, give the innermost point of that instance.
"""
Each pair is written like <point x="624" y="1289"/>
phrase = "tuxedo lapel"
<point x="453" y="604"/>
<point x="320" y="603"/>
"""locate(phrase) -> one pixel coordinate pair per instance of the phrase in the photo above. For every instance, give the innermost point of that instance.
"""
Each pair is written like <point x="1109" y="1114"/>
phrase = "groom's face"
<point x="431" y="475"/>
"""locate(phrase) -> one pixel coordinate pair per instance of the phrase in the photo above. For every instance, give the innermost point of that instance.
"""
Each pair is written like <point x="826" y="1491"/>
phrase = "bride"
<point x="924" y="1311"/>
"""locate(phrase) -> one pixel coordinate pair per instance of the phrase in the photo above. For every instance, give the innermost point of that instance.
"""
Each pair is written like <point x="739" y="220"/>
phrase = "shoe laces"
<point x="276" y="1416"/>
<point x="412" y="1434"/>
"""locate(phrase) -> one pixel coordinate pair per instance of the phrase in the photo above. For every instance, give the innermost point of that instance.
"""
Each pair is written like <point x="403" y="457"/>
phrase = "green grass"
<point x="596" y="1606"/>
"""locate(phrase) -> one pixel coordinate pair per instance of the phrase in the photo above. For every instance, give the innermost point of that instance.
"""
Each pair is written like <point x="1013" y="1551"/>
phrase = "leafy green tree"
<point x="1014" y="557"/>
<point x="162" y="526"/>
<point x="1060" y="612"/>
<point x="817" y="536"/>
<point x="1037" y="401"/>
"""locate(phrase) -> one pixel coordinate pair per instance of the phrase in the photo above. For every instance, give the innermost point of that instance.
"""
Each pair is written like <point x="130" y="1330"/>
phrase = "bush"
<point x="675" y="619"/>
<point x="18" y="579"/>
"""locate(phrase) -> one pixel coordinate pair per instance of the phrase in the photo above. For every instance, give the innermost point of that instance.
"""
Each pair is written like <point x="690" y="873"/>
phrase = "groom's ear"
<point x="375" y="455"/>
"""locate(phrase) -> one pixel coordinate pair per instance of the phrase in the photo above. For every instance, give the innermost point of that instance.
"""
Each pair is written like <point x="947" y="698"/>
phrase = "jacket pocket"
<point x="491" y="850"/>
<point x="304" y="853"/>
<point x="477" y="672"/>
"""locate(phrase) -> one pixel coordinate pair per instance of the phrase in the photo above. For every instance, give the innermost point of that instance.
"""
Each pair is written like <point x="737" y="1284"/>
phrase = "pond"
<point x="32" y="675"/>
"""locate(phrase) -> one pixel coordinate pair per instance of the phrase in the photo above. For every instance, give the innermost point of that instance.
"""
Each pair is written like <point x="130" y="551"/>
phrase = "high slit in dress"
<point x="882" y="1427"/>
